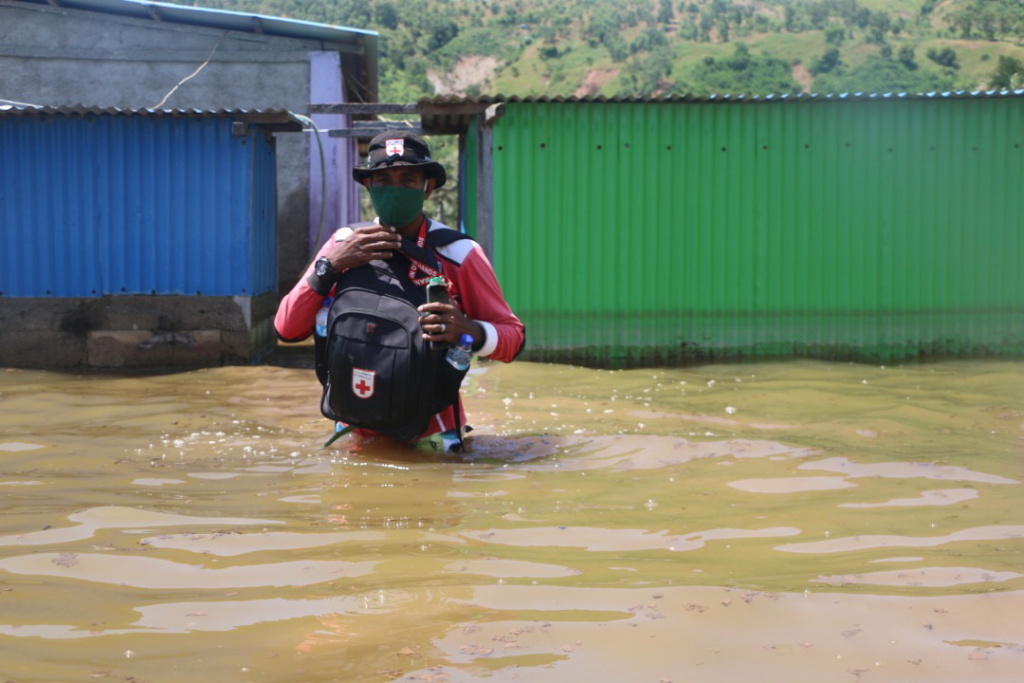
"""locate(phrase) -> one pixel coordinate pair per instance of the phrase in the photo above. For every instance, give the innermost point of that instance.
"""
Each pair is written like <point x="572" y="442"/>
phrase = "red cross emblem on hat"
<point x="395" y="147"/>
<point x="362" y="382"/>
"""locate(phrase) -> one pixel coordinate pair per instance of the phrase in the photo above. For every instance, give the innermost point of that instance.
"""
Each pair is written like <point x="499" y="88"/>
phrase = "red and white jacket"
<point x="474" y="289"/>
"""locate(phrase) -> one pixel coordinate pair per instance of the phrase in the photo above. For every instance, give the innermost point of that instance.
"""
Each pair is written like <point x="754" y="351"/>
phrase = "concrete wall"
<point x="58" y="56"/>
<point x="133" y="332"/>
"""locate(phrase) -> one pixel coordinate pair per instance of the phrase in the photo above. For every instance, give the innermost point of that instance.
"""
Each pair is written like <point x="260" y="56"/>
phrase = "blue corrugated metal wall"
<point x="110" y="204"/>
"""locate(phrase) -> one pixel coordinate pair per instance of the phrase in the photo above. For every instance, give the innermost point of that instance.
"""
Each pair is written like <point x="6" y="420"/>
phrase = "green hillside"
<point x="672" y="47"/>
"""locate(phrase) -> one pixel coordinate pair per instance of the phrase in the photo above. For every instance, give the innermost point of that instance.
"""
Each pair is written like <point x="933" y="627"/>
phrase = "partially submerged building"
<point x="137" y="238"/>
<point x="875" y="228"/>
<point x="115" y="88"/>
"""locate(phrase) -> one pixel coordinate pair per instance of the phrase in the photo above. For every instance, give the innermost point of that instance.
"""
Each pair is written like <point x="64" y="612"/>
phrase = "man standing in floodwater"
<point x="400" y="175"/>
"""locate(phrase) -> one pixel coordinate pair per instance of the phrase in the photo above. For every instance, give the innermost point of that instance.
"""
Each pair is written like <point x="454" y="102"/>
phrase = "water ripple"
<point x="616" y="540"/>
<point x="850" y="543"/>
<point x="150" y="572"/>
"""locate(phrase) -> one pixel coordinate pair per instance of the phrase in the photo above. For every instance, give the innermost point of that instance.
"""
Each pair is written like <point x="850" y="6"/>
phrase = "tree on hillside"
<point x="835" y="35"/>
<point x="880" y="75"/>
<point x="906" y="57"/>
<point x="989" y="19"/>
<point x="647" y="76"/>
<point x="605" y="28"/>
<point x="1009" y="74"/>
<point x="816" y="15"/>
<point x="829" y="61"/>
<point x="743" y="73"/>
<point x="945" y="57"/>
<point x="789" y="17"/>
<point x="879" y="24"/>
<point x="665" y="13"/>
<point x="386" y="14"/>
<point x="650" y="39"/>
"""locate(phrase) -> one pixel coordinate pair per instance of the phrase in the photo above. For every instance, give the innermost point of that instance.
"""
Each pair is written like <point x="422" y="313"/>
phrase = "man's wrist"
<point x="488" y="342"/>
<point x="323" y="276"/>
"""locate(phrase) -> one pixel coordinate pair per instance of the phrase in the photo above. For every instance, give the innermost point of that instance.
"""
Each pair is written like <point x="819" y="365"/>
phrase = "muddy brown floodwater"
<point x="798" y="521"/>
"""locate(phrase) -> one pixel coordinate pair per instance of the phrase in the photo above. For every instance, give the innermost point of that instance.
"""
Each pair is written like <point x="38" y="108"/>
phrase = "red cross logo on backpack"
<point x="362" y="382"/>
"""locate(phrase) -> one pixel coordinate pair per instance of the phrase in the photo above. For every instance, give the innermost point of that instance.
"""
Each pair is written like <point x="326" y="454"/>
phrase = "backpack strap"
<point x="442" y="237"/>
<point x="425" y="259"/>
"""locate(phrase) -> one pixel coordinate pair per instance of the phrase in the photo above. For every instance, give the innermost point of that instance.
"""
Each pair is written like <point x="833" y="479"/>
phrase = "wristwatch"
<point x="324" y="269"/>
<point x="323" y="276"/>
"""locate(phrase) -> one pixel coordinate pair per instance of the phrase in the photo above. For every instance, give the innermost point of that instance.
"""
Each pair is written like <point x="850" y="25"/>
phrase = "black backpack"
<point x="377" y="371"/>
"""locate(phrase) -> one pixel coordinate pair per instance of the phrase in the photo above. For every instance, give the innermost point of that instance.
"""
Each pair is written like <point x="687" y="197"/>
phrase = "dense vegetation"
<point x="663" y="47"/>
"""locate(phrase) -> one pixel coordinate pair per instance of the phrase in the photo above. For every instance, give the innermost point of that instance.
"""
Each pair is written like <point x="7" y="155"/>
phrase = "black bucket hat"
<point x="399" y="148"/>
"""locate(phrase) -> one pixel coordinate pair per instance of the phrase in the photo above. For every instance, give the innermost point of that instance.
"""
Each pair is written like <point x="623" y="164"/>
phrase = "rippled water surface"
<point x="799" y="521"/>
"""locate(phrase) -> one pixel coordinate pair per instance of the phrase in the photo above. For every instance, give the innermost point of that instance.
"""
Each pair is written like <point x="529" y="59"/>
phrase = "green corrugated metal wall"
<point x="469" y="169"/>
<point x="649" y="233"/>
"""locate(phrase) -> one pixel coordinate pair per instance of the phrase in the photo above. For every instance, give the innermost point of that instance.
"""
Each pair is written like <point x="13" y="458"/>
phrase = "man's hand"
<point x="363" y="245"/>
<point x="446" y="323"/>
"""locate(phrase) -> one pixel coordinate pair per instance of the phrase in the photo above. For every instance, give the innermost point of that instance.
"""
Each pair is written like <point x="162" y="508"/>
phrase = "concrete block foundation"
<point x="136" y="332"/>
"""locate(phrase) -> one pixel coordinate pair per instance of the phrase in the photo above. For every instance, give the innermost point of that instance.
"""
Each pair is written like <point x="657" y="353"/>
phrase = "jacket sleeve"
<point x="296" y="314"/>
<point x="481" y="299"/>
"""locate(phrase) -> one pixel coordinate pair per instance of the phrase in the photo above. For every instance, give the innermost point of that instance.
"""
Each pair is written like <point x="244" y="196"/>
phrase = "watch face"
<point x="323" y="267"/>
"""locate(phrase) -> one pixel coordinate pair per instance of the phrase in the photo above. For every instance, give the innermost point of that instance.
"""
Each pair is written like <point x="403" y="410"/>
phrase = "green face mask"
<point x="396" y="206"/>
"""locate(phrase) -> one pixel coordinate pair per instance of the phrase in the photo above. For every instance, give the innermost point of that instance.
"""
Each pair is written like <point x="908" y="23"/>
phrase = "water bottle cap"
<point x="437" y="280"/>
<point x="466" y="340"/>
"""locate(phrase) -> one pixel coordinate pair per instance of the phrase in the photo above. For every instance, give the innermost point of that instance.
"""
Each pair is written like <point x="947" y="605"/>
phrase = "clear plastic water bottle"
<point x="460" y="354"/>
<point x="321" y="317"/>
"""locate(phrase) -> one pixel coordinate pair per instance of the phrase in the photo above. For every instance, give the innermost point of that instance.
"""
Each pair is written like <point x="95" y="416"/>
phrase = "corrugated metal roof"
<point x="725" y="97"/>
<point x="273" y="119"/>
<point x="451" y="114"/>
<point x="215" y="18"/>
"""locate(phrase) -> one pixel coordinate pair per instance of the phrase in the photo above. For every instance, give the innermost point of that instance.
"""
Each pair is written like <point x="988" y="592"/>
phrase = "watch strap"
<point x="321" y="284"/>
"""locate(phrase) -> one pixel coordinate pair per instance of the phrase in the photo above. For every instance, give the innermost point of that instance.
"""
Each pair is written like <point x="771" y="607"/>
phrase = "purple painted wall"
<point x="330" y="182"/>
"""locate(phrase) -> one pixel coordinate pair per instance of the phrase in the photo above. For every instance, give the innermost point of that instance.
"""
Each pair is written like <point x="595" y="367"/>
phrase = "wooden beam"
<point x="368" y="132"/>
<point x="358" y="108"/>
<point x="384" y="124"/>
